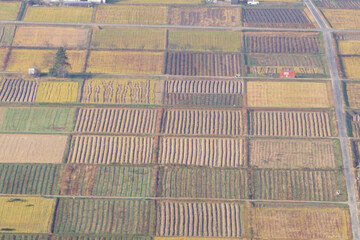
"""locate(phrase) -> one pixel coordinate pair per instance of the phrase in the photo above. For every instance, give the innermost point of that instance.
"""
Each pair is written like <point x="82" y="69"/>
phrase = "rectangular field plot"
<point x="205" y="183"/>
<point x="119" y="91"/>
<point x="203" y="122"/>
<point x="31" y="36"/>
<point x="342" y="18"/>
<point x="288" y="94"/>
<point x="97" y="180"/>
<point x="205" y="16"/>
<point x="39" y="179"/>
<point x="57" y="92"/>
<point x="350" y="66"/>
<point x="192" y="219"/>
<point x="26" y="215"/>
<point x="351" y="4"/>
<point x="272" y="17"/>
<point x="32" y="148"/>
<point x="288" y="153"/>
<point x="95" y="216"/>
<point x="116" y="120"/>
<point x="9" y="10"/>
<point x="211" y="152"/>
<point x="58" y="14"/>
<point x="203" y="64"/>
<point x="131" y="14"/>
<point x="203" y="92"/>
<point x="18" y="90"/>
<point x="355" y="124"/>
<point x="29" y="236"/>
<point x="205" y="41"/>
<point x="159" y="2"/>
<point x="292" y="221"/>
<point x="3" y="56"/>
<point x="125" y="62"/>
<point x="352" y="94"/>
<point x="348" y="43"/>
<point x="6" y="34"/>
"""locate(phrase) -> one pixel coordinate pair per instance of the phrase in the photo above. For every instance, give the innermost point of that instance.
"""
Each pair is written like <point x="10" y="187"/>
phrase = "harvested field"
<point x="205" y="41"/>
<point x="26" y="214"/>
<point x="131" y="14"/>
<point x="32" y="148"/>
<point x="111" y="150"/>
<point x="18" y="90"/>
<point x="38" y="36"/>
<point x="129" y="38"/>
<point x="351" y="4"/>
<point x="280" y="221"/>
<point x="125" y="62"/>
<point x="342" y="18"/>
<point x="39" y="179"/>
<point x="98" y="180"/>
<point x="355" y="125"/>
<point x="119" y="91"/>
<point x="290" y="124"/>
<point x="348" y="47"/>
<point x="288" y="94"/>
<point x="289" y="153"/>
<point x="353" y="94"/>
<point x="7" y="236"/>
<point x="91" y="237"/>
<point x="93" y="216"/>
<point x="205" y="183"/>
<point x="203" y="122"/>
<point x="203" y="92"/>
<point x="351" y="66"/>
<point x="3" y="56"/>
<point x="205" y="16"/>
<point x="160" y="2"/>
<point x="57" y="92"/>
<point x="211" y="152"/>
<point x="203" y="64"/>
<point x="116" y="120"/>
<point x="191" y="219"/>
<point x="58" y="14"/>
<point x="9" y="10"/>
<point x="6" y="33"/>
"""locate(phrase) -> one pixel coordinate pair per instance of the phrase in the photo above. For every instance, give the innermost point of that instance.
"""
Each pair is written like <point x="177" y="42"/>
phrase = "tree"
<point x="60" y="67"/>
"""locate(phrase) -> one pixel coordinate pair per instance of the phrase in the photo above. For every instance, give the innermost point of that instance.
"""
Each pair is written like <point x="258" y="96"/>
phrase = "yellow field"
<point x="159" y="2"/>
<point x="129" y="38"/>
<point x="348" y="47"/>
<point x="343" y="18"/>
<point x="287" y="94"/>
<point x="351" y="67"/>
<point x="119" y="91"/>
<point x="124" y="62"/>
<point x="22" y="59"/>
<point x="131" y="14"/>
<point x="278" y="69"/>
<point x="26" y="214"/>
<point x="224" y="41"/>
<point x="3" y="53"/>
<point x="193" y="238"/>
<point x="353" y="94"/>
<point x="9" y="10"/>
<point x="57" y="92"/>
<point x="50" y="37"/>
<point x="58" y="14"/>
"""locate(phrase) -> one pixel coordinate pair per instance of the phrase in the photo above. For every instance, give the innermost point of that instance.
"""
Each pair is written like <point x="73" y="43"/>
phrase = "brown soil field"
<point x="355" y="124"/>
<point x="18" y="90"/>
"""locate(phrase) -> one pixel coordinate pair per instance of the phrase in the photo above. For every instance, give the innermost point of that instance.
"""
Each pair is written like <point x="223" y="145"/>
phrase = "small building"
<point x="287" y="74"/>
<point x="253" y="2"/>
<point x="33" y="71"/>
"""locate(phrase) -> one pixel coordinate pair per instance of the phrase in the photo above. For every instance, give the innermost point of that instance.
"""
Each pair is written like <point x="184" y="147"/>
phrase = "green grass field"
<point x="9" y="10"/>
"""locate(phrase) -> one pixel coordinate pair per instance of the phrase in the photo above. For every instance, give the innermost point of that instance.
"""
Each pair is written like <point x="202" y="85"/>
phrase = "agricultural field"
<point x="125" y="62"/>
<point x="352" y="94"/>
<point x="203" y="92"/>
<point x="355" y="125"/>
<point x="26" y="214"/>
<point x="157" y="1"/>
<point x="191" y="219"/>
<point x="57" y="92"/>
<point x="131" y="14"/>
<point x="204" y="183"/>
<point x="291" y="124"/>
<point x="6" y="34"/>
<point x="19" y="119"/>
<point x="3" y="56"/>
<point x="211" y="152"/>
<point x="92" y="216"/>
<point x="305" y="221"/>
<point x="129" y="38"/>
<point x="39" y="179"/>
<point x="293" y="154"/>
<point x="350" y="66"/>
<point x="116" y="120"/>
<point x="205" y="41"/>
<point x="9" y="10"/>
<point x="9" y="236"/>
<point x="21" y="148"/>
<point x="203" y="64"/>
<point x="351" y="4"/>
<point x="288" y="94"/>
<point x="58" y="14"/>
<point x="111" y="150"/>
<point x="119" y="91"/>
<point x="18" y="90"/>
<point x="347" y="43"/>
<point x="342" y="18"/>
<point x="205" y="16"/>
<point x="203" y="122"/>
<point x="38" y="36"/>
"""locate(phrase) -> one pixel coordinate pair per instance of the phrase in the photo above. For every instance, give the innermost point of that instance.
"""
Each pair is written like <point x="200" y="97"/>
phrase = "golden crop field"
<point x="125" y="62"/>
<point x="9" y="10"/>
<point x="351" y="67"/>
<point x="224" y="41"/>
<point x="343" y="18"/>
<point x="193" y="238"/>
<point x="58" y="14"/>
<point x="131" y="14"/>
<point x="129" y="38"/>
<point x="353" y="94"/>
<point x="31" y="36"/>
<point x="159" y="2"/>
<point x="26" y="214"/>
<point x="57" y="92"/>
<point x="348" y="47"/>
<point x="287" y="94"/>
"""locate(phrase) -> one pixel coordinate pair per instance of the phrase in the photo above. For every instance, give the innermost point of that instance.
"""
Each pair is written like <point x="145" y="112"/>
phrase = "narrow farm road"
<point x="341" y="120"/>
